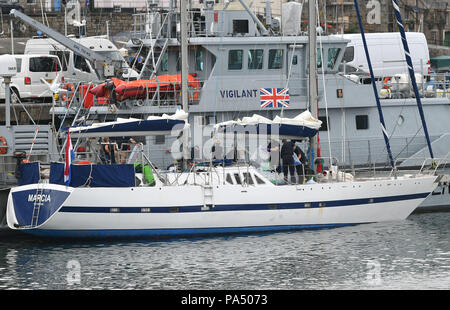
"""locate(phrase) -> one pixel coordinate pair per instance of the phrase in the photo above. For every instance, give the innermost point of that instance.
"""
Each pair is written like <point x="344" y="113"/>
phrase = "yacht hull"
<point x="196" y="209"/>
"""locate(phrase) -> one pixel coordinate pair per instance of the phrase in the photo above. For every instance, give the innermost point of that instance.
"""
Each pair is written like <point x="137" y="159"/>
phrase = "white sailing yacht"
<point x="115" y="200"/>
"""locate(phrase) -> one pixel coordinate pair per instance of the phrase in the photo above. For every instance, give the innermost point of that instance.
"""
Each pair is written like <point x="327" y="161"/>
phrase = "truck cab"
<point x="76" y="68"/>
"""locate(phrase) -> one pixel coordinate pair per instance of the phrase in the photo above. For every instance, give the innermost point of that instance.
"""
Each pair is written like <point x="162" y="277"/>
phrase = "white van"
<point x="76" y="68"/>
<point x="386" y="53"/>
<point x="27" y="83"/>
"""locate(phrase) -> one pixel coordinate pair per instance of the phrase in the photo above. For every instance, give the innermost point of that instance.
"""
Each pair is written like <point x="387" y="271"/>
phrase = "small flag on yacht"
<point x="274" y="97"/>
<point x="70" y="156"/>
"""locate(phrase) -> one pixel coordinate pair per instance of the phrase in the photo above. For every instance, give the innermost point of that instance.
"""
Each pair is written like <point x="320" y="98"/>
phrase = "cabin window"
<point x="362" y="121"/>
<point x="349" y="54"/>
<point x="333" y="54"/>
<point x="237" y="177"/>
<point x="235" y="59"/>
<point x="294" y="60"/>
<point x="19" y="64"/>
<point x="229" y="179"/>
<point x="255" y="59"/>
<point x="259" y="180"/>
<point x="324" y="126"/>
<point x="81" y="64"/>
<point x="44" y="64"/>
<point x="248" y="178"/>
<point x="199" y="60"/>
<point x="165" y="62"/>
<point x="63" y="58"/>
<point x="275" y="59"/>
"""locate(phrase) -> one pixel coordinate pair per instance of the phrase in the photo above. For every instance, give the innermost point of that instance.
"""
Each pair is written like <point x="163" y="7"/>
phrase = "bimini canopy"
<point x="301" y="126"/>
<point x="153" y="125"/>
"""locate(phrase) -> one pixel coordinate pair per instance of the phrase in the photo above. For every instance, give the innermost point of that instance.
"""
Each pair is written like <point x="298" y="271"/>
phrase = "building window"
<point x="255" y="59"/>
<point x="235" y="59"/>
<point x="275" y="59"/>
<point x="362" y="121"/>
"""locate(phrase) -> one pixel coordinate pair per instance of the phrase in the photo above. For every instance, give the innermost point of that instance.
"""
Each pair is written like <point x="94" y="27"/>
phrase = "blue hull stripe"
<point x="174" y="231"/>
<point x="243" y="207"/>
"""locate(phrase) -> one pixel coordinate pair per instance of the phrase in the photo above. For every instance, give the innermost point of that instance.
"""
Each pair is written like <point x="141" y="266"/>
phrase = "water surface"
<point x="409" y="254"/>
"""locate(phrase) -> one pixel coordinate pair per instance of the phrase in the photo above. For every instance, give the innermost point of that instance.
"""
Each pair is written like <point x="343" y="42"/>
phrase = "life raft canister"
<point x="3" y="145"/>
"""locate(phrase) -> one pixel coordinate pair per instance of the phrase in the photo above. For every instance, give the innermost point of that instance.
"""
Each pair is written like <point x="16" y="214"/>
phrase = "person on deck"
<point x="287" y="152"/>
<point x="109" y="151"/>
<point x="301" y="167"/>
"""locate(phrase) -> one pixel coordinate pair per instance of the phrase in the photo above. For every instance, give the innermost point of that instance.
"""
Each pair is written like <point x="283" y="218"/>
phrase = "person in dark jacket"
<point x="287" y="152"/>
<point x="300" y="168"/>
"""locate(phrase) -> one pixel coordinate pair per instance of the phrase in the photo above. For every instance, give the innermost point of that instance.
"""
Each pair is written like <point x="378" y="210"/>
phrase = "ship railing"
<point x="146" y="27"/>
<point x="432" y="164"/>
<point x="435" y="85"/>
<point x="328" y="170"/>
<point x="372" y="152"/>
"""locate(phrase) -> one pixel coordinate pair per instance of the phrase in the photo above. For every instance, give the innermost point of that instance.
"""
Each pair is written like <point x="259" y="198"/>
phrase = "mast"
<point x="313" y="103"/>
<point x="411" y="72"/>
<point x="369" y="63"/>
<point x="184" y="69"/>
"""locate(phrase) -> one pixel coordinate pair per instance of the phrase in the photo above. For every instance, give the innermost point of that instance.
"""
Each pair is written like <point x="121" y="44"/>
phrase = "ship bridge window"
<point x="319" y="58"/>
<point x="333" y="54"/>
<point x="240" y="26"/>
<point x="349" y="54"/>
<point x="235" y="59"/>
<point x="275" y="59"/>
<point x="255" y="59"/>
<point x="324" y="126"/>
<point x="165" y="62"/>
<point x="362" y="121"/>
<point x="199" y="60"/>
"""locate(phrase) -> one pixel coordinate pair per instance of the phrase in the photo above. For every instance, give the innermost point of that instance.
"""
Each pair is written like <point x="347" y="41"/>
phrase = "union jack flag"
<point x="274" y="97"/>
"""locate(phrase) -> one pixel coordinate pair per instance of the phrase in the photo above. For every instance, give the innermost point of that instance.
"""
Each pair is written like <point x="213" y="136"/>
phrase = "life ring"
<point x="3" y="145"/>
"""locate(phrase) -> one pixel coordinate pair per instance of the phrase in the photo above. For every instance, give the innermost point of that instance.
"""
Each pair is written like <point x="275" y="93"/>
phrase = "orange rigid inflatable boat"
<point x="140" y="89"/>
